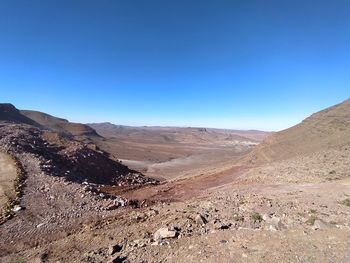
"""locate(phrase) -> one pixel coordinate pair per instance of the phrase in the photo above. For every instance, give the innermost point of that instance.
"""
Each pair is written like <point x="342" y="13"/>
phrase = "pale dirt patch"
<point x="8" y="175"/>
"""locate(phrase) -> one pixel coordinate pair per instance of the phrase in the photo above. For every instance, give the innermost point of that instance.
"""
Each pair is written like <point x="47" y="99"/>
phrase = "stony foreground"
<point x="246" y="223"/>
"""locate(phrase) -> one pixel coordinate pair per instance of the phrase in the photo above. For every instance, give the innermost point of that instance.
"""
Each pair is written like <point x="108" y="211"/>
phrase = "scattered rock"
<point x="40" y="225"/>
<point x="163" y="233"/>
<point x="112" y="207"/>
<point x="152" y="212"/>
<point x="160" y="243"/>
<point x="140" y="242"/>
<point x="140" y="217"/>
<point x="114" y="249"/>
<point x="218" y="224"/>
<point x="272" y="228"/>
<point x="274" y="223"/>
<point x="200" y="219"/>
<point x="17" y="208"/>
<point x="118" y="259"/>
<point x="319" y="224"/>
<point x="44" y="257"/>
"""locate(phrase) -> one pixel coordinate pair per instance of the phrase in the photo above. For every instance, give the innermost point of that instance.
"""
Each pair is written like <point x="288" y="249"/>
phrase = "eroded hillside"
<point x="329" y="128"/>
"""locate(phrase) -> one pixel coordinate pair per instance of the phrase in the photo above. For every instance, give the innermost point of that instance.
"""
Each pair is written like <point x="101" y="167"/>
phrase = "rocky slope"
<point x="63" y="157"/>
<point x="326" y="129"/>
<point x="43" y="155"/>
<point x="9" y="113"/>
<point x="50" y="139"/>
<point x="59" y="125"/>
<point x="60" y="179"/>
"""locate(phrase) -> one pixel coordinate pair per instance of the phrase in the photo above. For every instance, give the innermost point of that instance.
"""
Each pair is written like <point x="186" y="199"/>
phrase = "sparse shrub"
<point x="311" y="220"/>
<point x="301" y="214"/>
<point x="313" y="211"/>
<point x="256" y="217"/>
<point x="346" y="202"/>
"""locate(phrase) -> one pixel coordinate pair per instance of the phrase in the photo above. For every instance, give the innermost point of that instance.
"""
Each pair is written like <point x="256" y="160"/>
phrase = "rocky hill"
<point x="53" y="142"/>
<point x="326" y="129"/>
<point x="9" y="113"/>
<point x="59" y="125"/>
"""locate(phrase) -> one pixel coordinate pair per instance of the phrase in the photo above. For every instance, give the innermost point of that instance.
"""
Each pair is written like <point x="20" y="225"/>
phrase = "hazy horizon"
<point x="168" y="124"/>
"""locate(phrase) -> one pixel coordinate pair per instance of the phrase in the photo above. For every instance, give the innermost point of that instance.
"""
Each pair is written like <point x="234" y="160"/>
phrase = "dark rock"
<point x="118" y="259"/>
<point x="222" y="225"/>
<point x="114" y="249"/>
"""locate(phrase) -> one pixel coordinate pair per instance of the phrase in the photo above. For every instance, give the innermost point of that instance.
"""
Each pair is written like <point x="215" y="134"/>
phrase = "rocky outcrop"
<point x="71" y="159"/>
<point x="9" y="113"/>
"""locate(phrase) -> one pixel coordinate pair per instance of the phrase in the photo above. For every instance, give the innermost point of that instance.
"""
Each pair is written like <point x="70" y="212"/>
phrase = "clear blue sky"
<point x="234" y="64"/>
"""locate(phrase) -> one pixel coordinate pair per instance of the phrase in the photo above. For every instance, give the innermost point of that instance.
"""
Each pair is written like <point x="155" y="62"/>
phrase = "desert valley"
<point x="100" y="192"/>
<point x="174" y="131"/>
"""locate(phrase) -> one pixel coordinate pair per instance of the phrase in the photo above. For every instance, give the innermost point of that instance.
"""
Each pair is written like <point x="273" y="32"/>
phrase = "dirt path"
<point x="184" y="189"/>
<point x="7" y="176"/>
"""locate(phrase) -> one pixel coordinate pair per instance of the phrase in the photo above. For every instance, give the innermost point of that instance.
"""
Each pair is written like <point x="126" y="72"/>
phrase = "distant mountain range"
<point x="176" y="134"/>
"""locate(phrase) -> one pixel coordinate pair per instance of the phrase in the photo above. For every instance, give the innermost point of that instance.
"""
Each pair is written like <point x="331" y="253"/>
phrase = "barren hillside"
<point x="59" y="125"/>
<point x="9" y="113"/>
<point x="326" y="129"/>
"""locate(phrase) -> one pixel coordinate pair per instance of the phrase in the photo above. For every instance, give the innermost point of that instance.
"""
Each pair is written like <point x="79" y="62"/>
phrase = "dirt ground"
<point x="8" y="173"/>
<point x="244" y="223"/>
<point x="221" y="215"/>
<point x="295" y="210"/>
<point x="196" y="163"/>
<point x="291" y="209"/>
<point x="184" y="189"/>
<point x="168" y="160"/>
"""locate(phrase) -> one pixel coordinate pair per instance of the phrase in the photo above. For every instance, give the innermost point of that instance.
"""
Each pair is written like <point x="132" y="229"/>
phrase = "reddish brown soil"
<point x="182" y="189"/>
